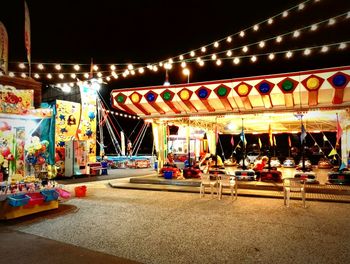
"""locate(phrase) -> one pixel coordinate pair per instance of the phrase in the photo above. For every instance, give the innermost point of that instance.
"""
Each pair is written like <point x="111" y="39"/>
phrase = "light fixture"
<point x="307" y="51"/>
<point x="181" y="57"/>
<point x="132" y="72"/>
<point x="23" y="75"/>
<point x="314" y="27"/>
<point x="342" y="45"/>
<point x="141" y="70"/>
<point x="331" y="21"/>
<point x="241" y="34"/>
<point x="285" y="14"/>
<point x="11" y="74"/>
<point x="229" y="53"/>
<point x="213" y="57"/>
<point x="289" y="54"/>
<point x="218" y="62"/>
<point x="201" y="63"/>
<point x="49" y="76"/>
<point x="115" y="76"/>
<point x="236" y="60"/>
<point x="73" y="75"/>
<point x="256" y="27"/>
<point x="216" y="44"/>
<point x="183" y="64"/>
<point x="324" y="49"/>
<point x="203" y="49"/>
<point x="253" y="58"/>
<point x="270" y="21"/>
<point x="112" y="67"/>
<point x="271" y="56"/>
<point x="61" y="76"/>
<point x="192" y="53"/>
<point x="130" y="67"/>
<point x="40" y="66"/>
<point x="279" y="39"/>
<point x="245" y="49"/>
<point x="229" y="39"/>
<point x="99" y="74"/>
<point x="108" y="78"/>
<point x="296" y="33"/>
<point x="21" y="65"/>
<point x="262" y="44"/>
<point x="301" y="6"/>
<point x="86" y="75"/>
<point x="155" y="68"/>
<point x="76" y="67"/>
<point x="36" y="76"/>
<point x="95" y="68"/>
<point x="58" y="67"/>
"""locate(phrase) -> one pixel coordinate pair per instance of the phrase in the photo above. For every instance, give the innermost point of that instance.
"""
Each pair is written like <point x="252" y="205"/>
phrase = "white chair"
<point x="227" y="181"/>
<point x="206" y="182"/>
<point x="293" y="185"/>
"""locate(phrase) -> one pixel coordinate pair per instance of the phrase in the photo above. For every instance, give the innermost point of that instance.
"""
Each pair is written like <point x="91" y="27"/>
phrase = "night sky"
<point x="151" y="31"/>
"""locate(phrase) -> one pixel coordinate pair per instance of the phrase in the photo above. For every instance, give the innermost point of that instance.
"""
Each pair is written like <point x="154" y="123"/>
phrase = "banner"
<point x="339" y="131"/>
<point x="3" y="49"/>
<point x="27" y="41"/>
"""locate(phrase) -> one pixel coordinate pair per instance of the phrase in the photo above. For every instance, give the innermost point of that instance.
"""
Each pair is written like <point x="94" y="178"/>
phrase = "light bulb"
<point x="307" y="51"/>
<point x="241" y="34"/>
<point x="296" y="33"/>
<point x="331" y="21"/>
<point x="49" y="76"/>
<point x="213" y="57"/>
<point x="58" y="67"/>
<point x="285" y="14"/>
<point x="342" y="45"/>
<point x="23" y="75"/>
<point x="301" y="6"/>
<point x="201" y="63"/>
<point x="76" y="67"/>
<point x="11" y="74"/>
<point x="216" y="44"/>
<point x="271" y="56"/>
<point x="229" y="39"/>
<point x="95" y="68"/>
<point x="73" y="75"/>
<point x="36" y="76"/>
<point x="183" y="64"/>
<point x="192" y="53"/>
<point x="289" y="54"/>
<point x="99" y="74"/>
<point x="155" y="68"/>
<point x="270" y="21"/>
<point x="86" y="75"/>
<point x="245" y="49"/>
<point x="279" y="39"/>
<point x="108" y="78"/>
<point x="314" y="27"/>
<point x="262" y="44"/>
<point x="40" y="66"/>
<point x="61" y="76"/>
<point x="324" y="49"/>
<point x="130" y="67"/>
<point x="181" y="57"/>
<point x="253" y="58"/>
<point x="21" y="65"/>
<point x="186" y="71"/>
<point x="229" y="53"/>
<point x="236" y="60"/>
<point x="112" y="67"/>
<point x="256" y="27"/>
<point x="218" y="62"/>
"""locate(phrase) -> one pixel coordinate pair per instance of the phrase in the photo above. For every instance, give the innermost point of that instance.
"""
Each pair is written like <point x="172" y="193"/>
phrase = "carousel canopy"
<point x="281" y="99"/>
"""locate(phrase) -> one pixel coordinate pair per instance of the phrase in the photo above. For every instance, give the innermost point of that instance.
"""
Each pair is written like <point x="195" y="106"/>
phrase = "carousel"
<point x="188" y="119"/>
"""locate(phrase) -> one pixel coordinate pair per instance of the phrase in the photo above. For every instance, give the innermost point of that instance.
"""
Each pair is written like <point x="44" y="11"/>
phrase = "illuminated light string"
<point x="262" y="43"/>
<point x="216" y="43"/>
<point x="307" y="51"/>
<point x="131" y="69"/>
<point x="199" y="60"/>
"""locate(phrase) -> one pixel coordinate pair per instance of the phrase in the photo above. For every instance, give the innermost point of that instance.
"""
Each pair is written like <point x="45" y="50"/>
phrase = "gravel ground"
<point x="171" y="227"/>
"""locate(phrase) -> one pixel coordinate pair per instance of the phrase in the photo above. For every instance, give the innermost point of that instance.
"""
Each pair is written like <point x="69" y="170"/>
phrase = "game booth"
<point x="27" y="170"/>
<point x="188" y="119"/>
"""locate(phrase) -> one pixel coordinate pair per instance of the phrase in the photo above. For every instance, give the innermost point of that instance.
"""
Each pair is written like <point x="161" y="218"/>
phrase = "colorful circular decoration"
<point x="243" y="89"/>
<point x="120" y="98"/>
<point x="135" y="98"/>
<point x="287" y="85"/>
<point x="167" y="96"/>
<point x="339" y="80"/>
<point x="264" y="87"/>
<point x="222" y="91"/>
<point x="203" y="93"/>
<point x="185" y="95"/>
<point x="150" y="97"/>
<point x="313" y="83"/>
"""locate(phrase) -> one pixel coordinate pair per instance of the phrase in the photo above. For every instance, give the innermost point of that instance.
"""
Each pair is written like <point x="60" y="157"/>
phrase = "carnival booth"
<point x="316" y="101"/>
<point x="26" y="171"/>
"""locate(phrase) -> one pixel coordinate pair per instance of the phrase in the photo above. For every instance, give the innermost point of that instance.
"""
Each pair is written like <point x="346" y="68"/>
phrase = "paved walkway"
<point x="171" y="227"/>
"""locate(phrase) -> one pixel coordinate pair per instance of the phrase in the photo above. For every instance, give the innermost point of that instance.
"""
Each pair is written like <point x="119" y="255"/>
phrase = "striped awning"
<point x="317" y="89"/>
